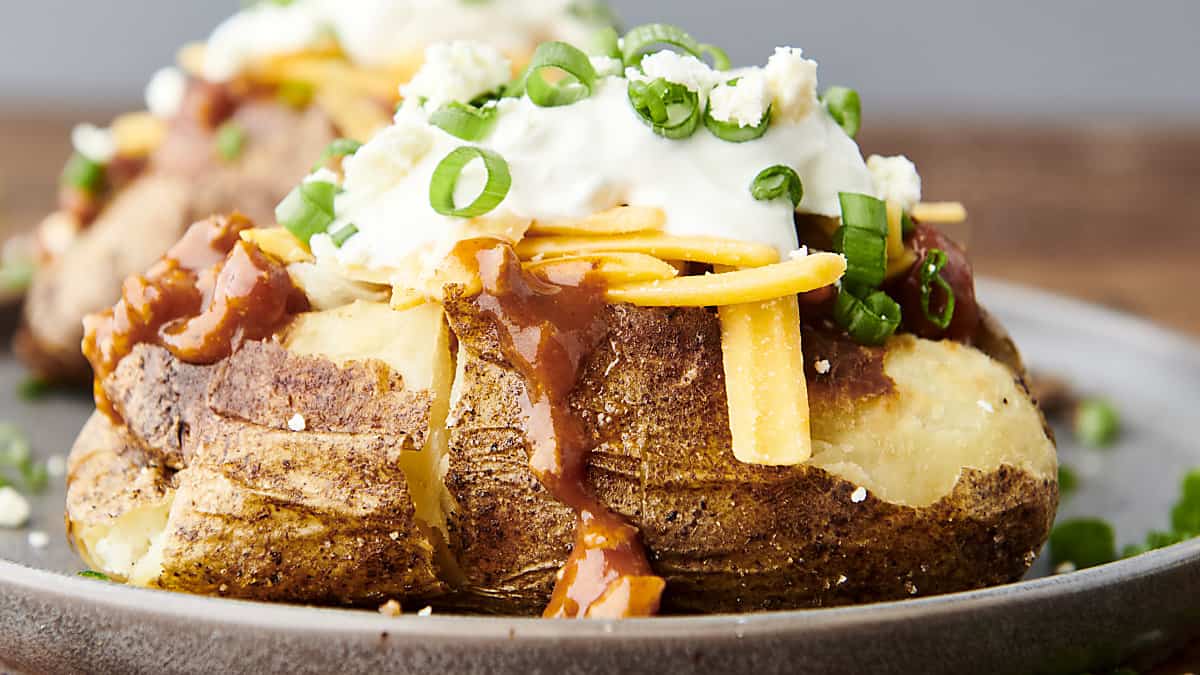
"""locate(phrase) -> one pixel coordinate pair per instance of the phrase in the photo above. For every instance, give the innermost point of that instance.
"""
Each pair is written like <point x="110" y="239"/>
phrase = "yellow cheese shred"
<point x="712" y="250"/>
<point x="758" y="284"/>
<point x="619" y="220"/>
<point x="277" y="243"/>
<point x="944" y="213"/>
<point x="138" y="134"/>
<point x="764" y="382"/>
<point x="614" y="268"/>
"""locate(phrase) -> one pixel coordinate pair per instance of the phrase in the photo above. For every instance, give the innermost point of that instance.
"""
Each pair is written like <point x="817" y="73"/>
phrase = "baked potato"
<point x="249" y="121"/>
<point x="396" y="396"/>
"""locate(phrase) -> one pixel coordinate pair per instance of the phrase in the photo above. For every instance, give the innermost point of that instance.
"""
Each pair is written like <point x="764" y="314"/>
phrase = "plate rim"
<point x="276" y="617"/>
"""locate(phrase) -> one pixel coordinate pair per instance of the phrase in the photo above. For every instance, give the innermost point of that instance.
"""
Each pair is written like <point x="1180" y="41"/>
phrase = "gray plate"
<point x="52" y="621"/>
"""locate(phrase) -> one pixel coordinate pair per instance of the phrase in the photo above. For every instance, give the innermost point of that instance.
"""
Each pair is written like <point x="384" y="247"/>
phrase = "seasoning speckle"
<point x="859" y="495"/>
<point x="985" y="406"/>
<point x="822" y="366"/>
<point x="297" y="423"/>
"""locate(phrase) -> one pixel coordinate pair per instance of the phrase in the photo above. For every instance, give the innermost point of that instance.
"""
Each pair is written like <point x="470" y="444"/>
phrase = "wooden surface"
<point x="1109" y="214"/>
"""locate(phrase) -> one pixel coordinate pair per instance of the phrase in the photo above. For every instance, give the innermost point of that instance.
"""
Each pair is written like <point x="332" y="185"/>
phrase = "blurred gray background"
<point x="1021" y="58"/>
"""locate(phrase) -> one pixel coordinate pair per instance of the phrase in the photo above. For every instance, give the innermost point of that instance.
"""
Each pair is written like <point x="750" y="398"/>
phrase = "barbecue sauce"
<point x="207" y="295"/>
<point x="546" y="331"/>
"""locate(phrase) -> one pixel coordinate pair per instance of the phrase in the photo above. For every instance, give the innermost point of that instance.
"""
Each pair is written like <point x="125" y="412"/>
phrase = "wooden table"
<point x="1109" y="214"/>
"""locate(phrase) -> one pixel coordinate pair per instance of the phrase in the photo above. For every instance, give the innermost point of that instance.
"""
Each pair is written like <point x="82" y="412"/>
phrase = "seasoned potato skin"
<point x="726" y="536"/>
<point x="185" y="181"/>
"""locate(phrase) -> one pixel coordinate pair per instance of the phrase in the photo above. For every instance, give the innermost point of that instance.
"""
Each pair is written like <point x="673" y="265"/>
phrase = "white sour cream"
<point x="383" y="32"/>
<point x="575" y="160"/>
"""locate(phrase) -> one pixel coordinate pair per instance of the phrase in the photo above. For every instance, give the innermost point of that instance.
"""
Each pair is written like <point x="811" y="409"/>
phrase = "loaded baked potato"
<point x="245" y="118"/>
<point x="597" y="415"/>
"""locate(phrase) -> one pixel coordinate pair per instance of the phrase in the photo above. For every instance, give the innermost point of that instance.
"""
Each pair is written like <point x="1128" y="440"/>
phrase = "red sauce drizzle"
<point x="546" y="331"/>
<point x="207" y="295"/>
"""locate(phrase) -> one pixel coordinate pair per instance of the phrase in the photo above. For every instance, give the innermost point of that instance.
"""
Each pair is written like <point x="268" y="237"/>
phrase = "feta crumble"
<point x="39" y="539"/>
<point x="94" y="143"/>
<point x="297" y="423"/>
<point x="683" y="69"/>
<point x="823" y="367"/>
<point x="427" y="611"/>
<point x="391" y="608"/>
<point x="896" y="180"/>
<point x="744" y="102"/>
<point x="14" y="509"/>
<point x="607" y="66"/>
<point x="165" y="92"/>
<point x="792" y="83"/>
<point x="859" y="495"/>
<point x="458" y="71"/>
<point x="388" y="158"/>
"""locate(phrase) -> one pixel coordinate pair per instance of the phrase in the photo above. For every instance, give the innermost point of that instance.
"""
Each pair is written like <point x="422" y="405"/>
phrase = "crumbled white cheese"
<point x="842" y="579"/>
<point x="394" y="536"/>
<point x="859" y="495"/>
<point x="165" y="92"/>
<point x="1065" y="567"/>
<point x="744" y="102"/>
<point x="391" y="608"/>
<point x="792" y="83"/>
<point x="297" y="423"/>
<point x="14" y="509"/>
<point x="896" y="180"/>
<point x="427" y="611"/>
<point x="56" y="466"/>
<point x="387" y="159"/>
<point x="38" y="539"/>
<point x="457" y="71"/>
<point x="95" y="143"/>
<point x="799" y="253"/>
<point x="606" y="66"/>
<point x="683" y="69"/>
<point x="985" y="406"/>
<point x="823" y="367"/>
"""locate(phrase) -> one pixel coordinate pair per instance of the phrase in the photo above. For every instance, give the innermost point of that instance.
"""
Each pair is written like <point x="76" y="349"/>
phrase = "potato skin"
<point x="262" y="512"/>
<point x="186" y="180"/>
<point x="726" y="536"/>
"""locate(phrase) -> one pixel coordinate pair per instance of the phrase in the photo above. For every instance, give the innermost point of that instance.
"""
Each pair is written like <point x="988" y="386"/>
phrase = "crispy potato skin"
<point x="256" y="504"/>
<point x="726" y="536"/>
<point x="261" y="512"/>
<point x="185" y="181"/>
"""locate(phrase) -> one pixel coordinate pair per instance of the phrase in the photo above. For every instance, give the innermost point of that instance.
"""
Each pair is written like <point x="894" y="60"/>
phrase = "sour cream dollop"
<point x="575" y="160"/>
<point x="386" y="32"/>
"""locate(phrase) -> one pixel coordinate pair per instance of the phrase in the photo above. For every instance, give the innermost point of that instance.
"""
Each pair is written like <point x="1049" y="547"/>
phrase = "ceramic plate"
<point x="54" y="621"/>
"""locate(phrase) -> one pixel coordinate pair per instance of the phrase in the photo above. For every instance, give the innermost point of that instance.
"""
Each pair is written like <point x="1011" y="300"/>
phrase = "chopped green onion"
<point x="931" y="274"/>
<point x="464" y="121"/>
<point x="606" y="42"/>
<point x="732" y="131"/>
<point x="870" y="317"/>
<point x="308" y="209"/>
<point x="670" y="109"/>
<point x="231" y="140"/>
<point x="1067" y="482"/>
<point x="845" y="107"/>
<point x="569" y="59"/>
<point x="445" y="179"/>
<point x="1085" y="542"/>
<point x="93" y="574"/>
<point x="33" y="389"/>
<point x="295" y="94"/>
<point x="1096" y="423"/>
<point x="1185" y="517"/>
<point x="339" y="148"/>
<point x="36" y="477"/>
<point x="343" y="234"/>
<point x="14" y="446"/>
<point x="84" y="174"/>
<point x="639" y="41"/>
<point x="778" y="181"/>
<point x="862" y="238"/>
<point x="907" y="224"/>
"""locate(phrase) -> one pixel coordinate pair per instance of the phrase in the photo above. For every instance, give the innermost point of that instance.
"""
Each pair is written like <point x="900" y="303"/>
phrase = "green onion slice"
<point x="295" y="94"/>
<point x="931" y="269"/>
<point x="231" y="140"/>
<point x="732" y="131"/>
<point x="862" y="238"/>
<point x="1084" y="542"/>
<point x="464" y="121"/>
<point x="1096" y="423"/>
<point x="639" y="41"/>
<point x="339" y="148"/>
<point x="670" y="109"/>
<point x="93" y="574"/>
<point x="870" y="317"/>
<point x="445" y="179"/>
<point x="845" y="107"/>
<point x="84" y="174"/>
<point x="907" y="224"/>
<point x="571" y="60"/>
<point x="343" y="234"/>
<point x="778" y="181"/>
<point x="606" y="42"/>
<point x="308" y="209"/>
